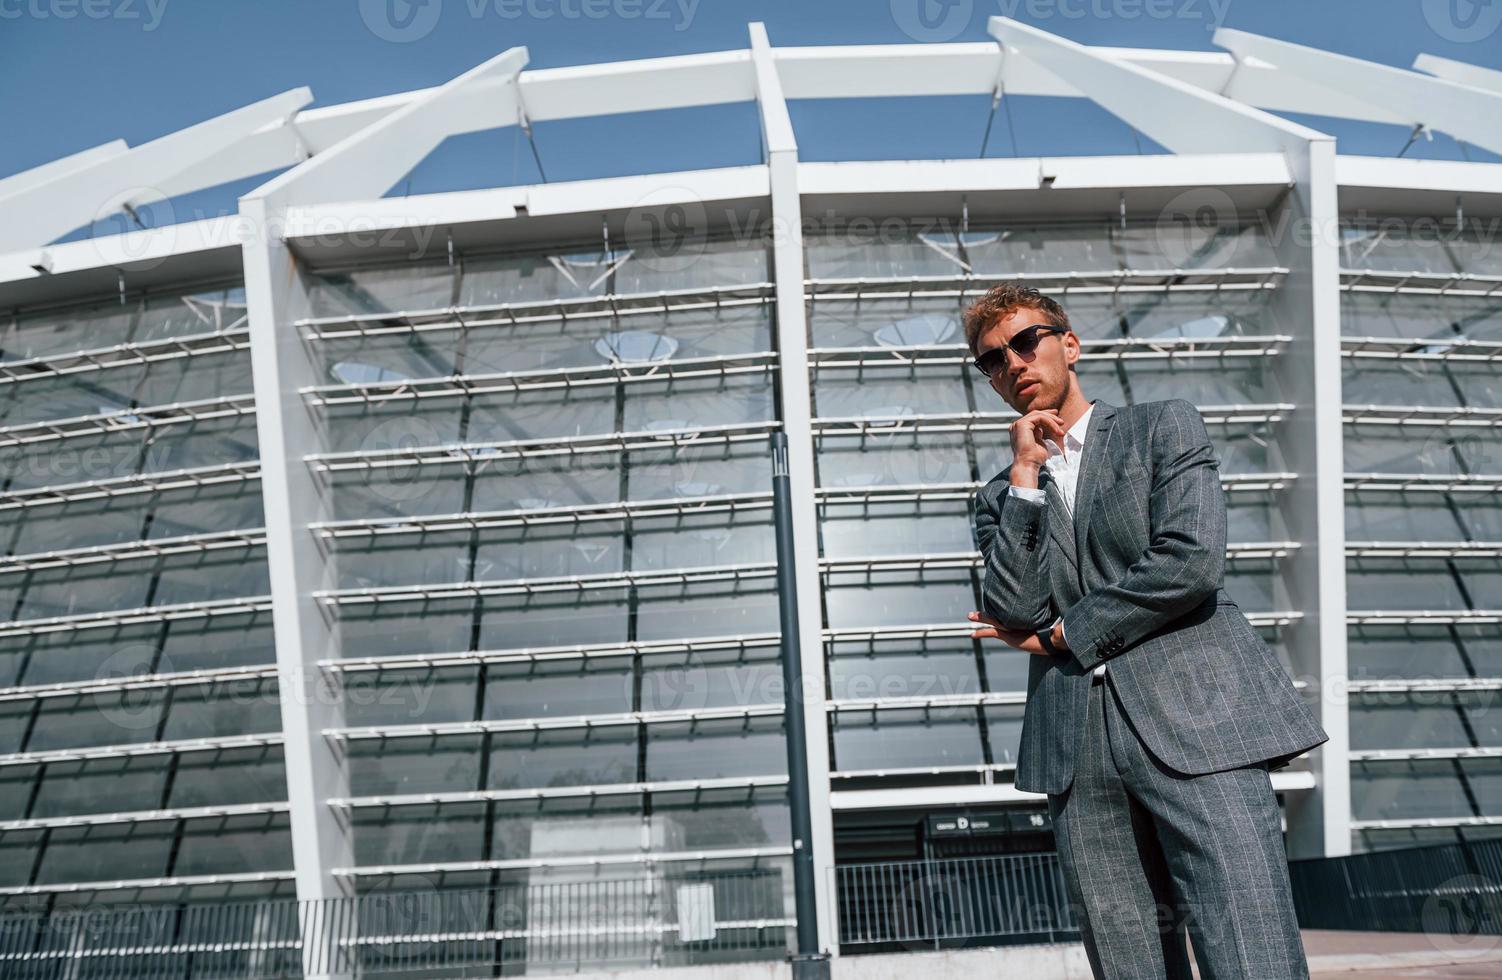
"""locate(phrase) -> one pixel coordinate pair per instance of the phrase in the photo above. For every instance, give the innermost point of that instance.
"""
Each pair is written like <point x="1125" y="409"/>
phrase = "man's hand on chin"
<point x="1018" y="639"/>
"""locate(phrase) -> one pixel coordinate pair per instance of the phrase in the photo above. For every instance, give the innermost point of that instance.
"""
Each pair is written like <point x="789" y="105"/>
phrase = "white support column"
<point x="107" y="181"/>
<point x="292" y="498"/>
<point x="1466" y="113"/>
<point x="1305" y="235"/>
<point x="361" y="167"/>
<point x="797" y="408"/>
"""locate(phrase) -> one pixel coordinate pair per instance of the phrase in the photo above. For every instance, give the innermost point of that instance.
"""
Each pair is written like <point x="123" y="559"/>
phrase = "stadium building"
<point x="423" y="547"/>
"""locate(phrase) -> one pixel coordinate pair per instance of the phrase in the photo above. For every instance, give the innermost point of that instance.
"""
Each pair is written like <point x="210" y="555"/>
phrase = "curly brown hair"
<point x="1003" y="300"/>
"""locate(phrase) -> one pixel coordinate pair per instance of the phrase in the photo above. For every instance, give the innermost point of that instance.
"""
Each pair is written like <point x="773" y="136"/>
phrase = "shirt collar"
<point x="1077" y="431"/>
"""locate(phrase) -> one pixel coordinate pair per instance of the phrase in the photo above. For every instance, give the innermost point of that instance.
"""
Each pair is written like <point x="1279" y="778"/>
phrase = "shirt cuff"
<point x="1034" y="494"/>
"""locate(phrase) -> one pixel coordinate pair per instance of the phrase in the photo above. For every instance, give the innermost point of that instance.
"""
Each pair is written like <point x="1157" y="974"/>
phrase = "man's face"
<point x="1038" y="380"/>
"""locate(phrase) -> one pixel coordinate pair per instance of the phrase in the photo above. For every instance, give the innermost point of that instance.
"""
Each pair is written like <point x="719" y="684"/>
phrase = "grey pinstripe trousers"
<point x="1150" y="854"/>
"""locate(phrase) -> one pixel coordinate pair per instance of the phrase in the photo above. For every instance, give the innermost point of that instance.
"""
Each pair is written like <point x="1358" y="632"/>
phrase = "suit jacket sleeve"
<point x="1184" y="563"/>
<point x="1014" y="549"/>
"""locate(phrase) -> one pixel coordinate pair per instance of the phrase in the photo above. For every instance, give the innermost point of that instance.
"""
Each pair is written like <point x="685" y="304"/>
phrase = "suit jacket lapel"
<point x="1097" y="444"/>
<point x="1059" y="525"/>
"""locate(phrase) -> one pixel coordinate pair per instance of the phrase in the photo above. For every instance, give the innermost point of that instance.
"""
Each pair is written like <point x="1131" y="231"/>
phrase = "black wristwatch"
<point x="1045" y="637"/>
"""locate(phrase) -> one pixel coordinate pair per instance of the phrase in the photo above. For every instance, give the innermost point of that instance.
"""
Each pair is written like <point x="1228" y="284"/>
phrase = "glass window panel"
<point x="382" y="290"/>
<point x="688" y="403"/>
<point x="1199" y="315"/>
<point x="891" y="392"/>
<point x="123" y="785"/>
<point x="103" y="324"/>
<point x="892" y="250"/>
<point x="236" y="708"/>
<point x="566" y="828"/>
<point x="1397" y="245"/>
<point x="86" y="523"/>
<point x="1417" y="789"/>
<point x="716" y="749"/>
<point x="546" y="619"/>
<point x="247" y="775"/>
<point x="1416" y="720"/>
<point x="896" y="528"/>
<point x="893" y="598"/>
<point x="1004" y="731"/>
<point x="1194" y="244"/>
<point x="65" y="397"/>
<point x="1484" y="776"/>
<point x="1483" y="586"/>
<point x="1084" y="247"/>
<point x="208" y="311"/>
<point x="200" y="377"/>
<point x="1380" y="381"/>
<point x="387" y="358"/>
<point x="692" y="471"/>
<point x="398" y="424"/>
<point x="1252" y="585"/>
<point x="74" y="460"/>
<point x="419" y="834"/>
<point x="1400" y="517"/>
<point x="903" y="668"/>
<point x="1369" y="586"/>
<point x="429" y="558"/>
<point x="552" y="688"/>
<point x="390" y="629"/>
<point x="696" y="540"/>
<point x="1377" y="449"/>
<point x="893" y="458"/>
<point x="109" y="852"/>
<point x="210" y="443"/>
<point x="564" y="757"/>
<point x="1364" y="841"/>
<point x="1393" y="315"/>
<point x="707" y="609"/>
<point x="234" y="845"/>
<point x="1377" y="653"/>
<point x="1233" y="383"/>
<point x="221" y="574"/>
<point x="16" y="784"/>
<point x="549" y="550"/>
<point x="396" y="491"/>
<point x="1249" y="518"/>
<point x="18" y="855"/>
<point x="711" y="679"/>
<point x="224" y="640"/>
<point x="81" y="655"/>
<point x="402" y="766"/>
<point x="715" y="822"/>
<point x="904" y="739"/>
<point x="409" y="697"/>
<point x="109" y="718"/>
<point x="911" y="321"/>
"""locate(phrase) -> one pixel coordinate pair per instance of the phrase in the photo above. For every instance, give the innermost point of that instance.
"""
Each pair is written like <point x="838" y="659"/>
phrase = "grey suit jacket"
<point x="1137" y="575"/>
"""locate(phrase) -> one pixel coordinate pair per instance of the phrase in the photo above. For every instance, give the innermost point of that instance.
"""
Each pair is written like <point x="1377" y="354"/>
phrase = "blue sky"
<point x="81" y="72"/>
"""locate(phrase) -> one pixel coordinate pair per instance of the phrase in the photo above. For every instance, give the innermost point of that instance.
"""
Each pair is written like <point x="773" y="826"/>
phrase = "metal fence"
<point x="1446" y="889"/>
<point x="557" y="927"/>
<point x="954" y="902"/>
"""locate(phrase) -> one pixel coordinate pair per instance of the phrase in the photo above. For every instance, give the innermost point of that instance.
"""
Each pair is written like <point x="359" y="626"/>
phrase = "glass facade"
<point x="140" y="728"/>
<point x="1423" y="389"/>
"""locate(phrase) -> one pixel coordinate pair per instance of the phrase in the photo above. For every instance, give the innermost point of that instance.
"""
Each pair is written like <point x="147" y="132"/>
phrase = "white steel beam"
<point x="1460" y="72"/>
<point x="796" y="409"/>
<point x="1177" y="114"/>
<point x="47" y="172"/>
<point x="37" y="215"/>
<point x="1466" y="113"/>
<point x="366" y="164"/>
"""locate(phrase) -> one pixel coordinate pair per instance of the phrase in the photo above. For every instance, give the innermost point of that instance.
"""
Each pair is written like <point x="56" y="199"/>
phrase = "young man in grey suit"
<point x="1154" y="711"/>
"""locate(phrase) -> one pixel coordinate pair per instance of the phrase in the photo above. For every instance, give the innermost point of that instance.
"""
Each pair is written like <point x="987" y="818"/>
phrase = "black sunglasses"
<point x="1024" y="343"/>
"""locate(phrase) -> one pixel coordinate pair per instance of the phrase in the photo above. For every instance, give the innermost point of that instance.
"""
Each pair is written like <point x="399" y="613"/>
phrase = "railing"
<point x="1446" y="889"/>
<point x="976" y="901"/>
<point x="669" y="919"/>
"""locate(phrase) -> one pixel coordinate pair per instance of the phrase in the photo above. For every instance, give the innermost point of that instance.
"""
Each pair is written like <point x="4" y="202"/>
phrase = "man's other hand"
<point x="1018" y="639"/>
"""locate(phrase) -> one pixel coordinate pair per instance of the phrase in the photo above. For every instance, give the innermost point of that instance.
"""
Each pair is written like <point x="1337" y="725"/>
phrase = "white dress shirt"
<point x="1063" y="464"/>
